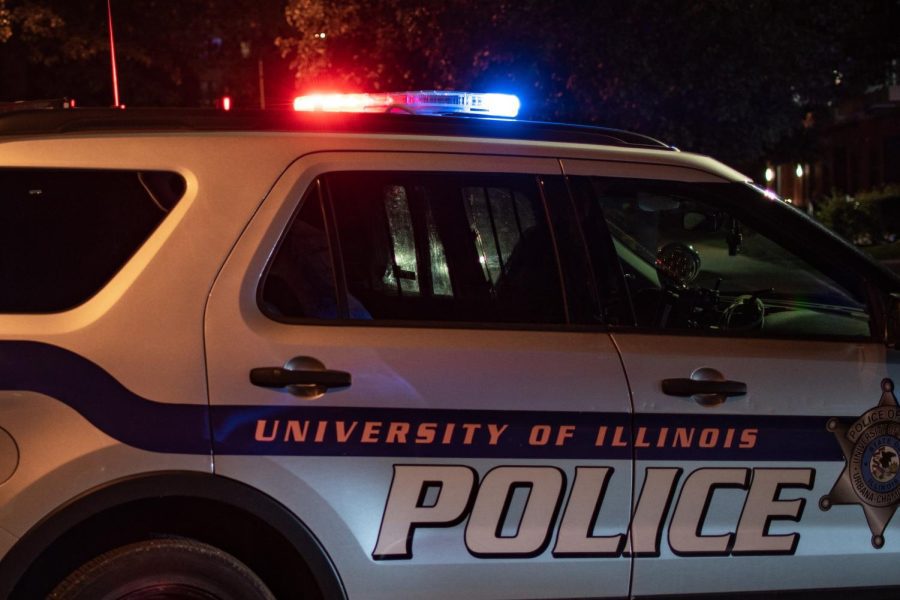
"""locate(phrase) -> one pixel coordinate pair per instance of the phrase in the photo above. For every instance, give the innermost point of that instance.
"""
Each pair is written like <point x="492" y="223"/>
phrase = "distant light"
<point x="320" y="35"/>
<point x="770" y="174"/>
<point x="433" y="102"/>
<point x="226" y="103"/>
<point x="799" y="171"/>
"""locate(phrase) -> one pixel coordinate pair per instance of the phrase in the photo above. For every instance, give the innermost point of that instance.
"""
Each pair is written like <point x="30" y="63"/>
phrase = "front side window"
<point x="690" y="264"/>
<point x="442" y="247"/>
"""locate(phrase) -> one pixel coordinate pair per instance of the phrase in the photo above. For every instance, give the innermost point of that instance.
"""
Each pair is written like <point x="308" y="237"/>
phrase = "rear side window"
<point x="442" y="247"/>
<point x="65" y="233"/>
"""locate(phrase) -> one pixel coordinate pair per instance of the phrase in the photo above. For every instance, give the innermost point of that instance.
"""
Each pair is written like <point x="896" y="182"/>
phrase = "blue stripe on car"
<point x="101" y="399"/>
<point x="184" y="428"/>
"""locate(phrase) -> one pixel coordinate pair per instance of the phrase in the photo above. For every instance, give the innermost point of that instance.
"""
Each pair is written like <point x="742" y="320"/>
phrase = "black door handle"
<point x="692" y="387"/>
<point x="277" y="377"/>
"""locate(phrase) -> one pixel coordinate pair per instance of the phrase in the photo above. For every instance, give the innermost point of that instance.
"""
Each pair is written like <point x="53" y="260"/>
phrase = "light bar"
<point x="420" y="103"/>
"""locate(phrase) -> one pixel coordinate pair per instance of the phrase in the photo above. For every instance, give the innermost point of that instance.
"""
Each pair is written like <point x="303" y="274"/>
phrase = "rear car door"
<point x="461" y="459"/>
<point x="766" y="427"/>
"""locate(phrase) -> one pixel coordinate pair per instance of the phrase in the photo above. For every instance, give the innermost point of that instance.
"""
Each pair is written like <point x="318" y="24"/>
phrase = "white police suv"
<point x="321" y="354"/>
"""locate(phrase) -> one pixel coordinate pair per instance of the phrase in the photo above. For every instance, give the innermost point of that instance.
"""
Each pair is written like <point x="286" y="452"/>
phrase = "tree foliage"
<point x="166" y="50"/>
<point x="733" y="78"/>
<point x="720" y="76"/>
<point x="868" y="218"/>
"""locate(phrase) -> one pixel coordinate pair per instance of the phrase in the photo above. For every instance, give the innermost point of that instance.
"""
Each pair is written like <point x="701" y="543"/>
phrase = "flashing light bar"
<point x="420" y="103"/>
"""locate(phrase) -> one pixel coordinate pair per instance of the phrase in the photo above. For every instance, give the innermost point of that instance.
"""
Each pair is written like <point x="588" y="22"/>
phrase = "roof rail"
<point x="151" y="120"/>
<point x="49" y="104"/>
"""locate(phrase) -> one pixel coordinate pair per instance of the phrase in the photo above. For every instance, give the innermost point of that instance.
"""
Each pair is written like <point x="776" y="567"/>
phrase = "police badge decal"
<point x="871" y="475"/>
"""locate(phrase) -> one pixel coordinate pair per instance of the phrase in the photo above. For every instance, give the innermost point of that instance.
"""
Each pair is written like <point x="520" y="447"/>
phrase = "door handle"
<point x="277" y="377"/>
<point x="302" y="376"/>
<point x="690" y="387"/>
<point x="705" y="385"/>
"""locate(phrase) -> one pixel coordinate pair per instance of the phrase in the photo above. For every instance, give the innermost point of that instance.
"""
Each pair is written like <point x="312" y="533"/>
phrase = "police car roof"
<point x="24" y="123"/>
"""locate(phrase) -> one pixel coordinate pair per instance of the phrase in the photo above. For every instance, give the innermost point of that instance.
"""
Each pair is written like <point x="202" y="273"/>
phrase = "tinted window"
<point x="692" y="264"/>
<point x="429" y="247"/>
<point x="65" y="233"/>
<point x="300" y="282"/>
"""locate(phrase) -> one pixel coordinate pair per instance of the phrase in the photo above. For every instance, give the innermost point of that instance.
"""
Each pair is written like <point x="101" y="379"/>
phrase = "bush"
<point x="849" y="218"/>
<point x="871" y="217"/>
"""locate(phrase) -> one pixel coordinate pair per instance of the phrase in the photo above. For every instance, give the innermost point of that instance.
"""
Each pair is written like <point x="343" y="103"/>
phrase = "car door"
<point x="766" y="432"/>
<point x="394" y="355"/>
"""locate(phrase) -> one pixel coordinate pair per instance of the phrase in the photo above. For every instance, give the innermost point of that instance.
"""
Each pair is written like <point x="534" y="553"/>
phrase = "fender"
<point x="202" y="486"/>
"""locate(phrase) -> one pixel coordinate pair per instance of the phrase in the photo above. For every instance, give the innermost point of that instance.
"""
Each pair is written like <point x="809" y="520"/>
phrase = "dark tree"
<point x="719" y="76"/>
<point x="733" y="78"/>
<point x="169" y="52"/>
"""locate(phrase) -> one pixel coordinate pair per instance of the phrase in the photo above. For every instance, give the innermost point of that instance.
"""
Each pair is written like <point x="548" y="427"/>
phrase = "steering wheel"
<point x="746" y="313"/>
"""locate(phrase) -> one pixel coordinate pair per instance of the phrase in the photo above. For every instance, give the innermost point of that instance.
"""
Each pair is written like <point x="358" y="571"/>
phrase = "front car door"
<point x="462" y="460"/>
<point x="766" y="429"/>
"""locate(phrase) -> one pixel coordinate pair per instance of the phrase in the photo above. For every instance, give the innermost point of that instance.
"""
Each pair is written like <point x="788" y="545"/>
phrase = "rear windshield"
<point x="65" y="233"/>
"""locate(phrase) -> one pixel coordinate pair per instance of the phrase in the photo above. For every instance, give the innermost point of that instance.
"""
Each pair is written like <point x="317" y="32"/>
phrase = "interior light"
<point x="770" y="174"/>
<point x="799" y="171"/>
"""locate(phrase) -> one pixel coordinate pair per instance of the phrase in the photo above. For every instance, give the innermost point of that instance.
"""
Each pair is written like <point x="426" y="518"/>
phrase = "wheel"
<point x="163" y="569"/>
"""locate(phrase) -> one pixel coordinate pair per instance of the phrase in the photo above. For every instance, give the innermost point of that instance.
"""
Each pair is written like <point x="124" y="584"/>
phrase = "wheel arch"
<point x="217" y="510"/>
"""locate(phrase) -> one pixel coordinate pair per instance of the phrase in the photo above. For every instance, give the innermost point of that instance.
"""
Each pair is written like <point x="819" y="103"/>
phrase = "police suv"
<point x="342" y="353"/>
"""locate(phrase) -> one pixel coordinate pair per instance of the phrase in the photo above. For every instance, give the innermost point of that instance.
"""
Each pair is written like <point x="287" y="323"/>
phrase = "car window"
<point x="426" y="247"/>
<point x="300" y="280"/>
<point x="690" y="264"/>
<point x="65" y="233"/>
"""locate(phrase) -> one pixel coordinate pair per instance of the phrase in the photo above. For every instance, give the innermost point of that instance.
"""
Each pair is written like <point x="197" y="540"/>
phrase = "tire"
<point x="170" y="568"/>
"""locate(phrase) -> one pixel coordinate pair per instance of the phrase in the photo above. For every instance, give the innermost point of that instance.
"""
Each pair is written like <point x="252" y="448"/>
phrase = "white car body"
<point x="147" y="380"/>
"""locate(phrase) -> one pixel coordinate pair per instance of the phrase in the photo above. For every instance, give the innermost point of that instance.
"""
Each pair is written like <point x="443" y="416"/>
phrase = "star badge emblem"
<point x="871" y="475"/>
